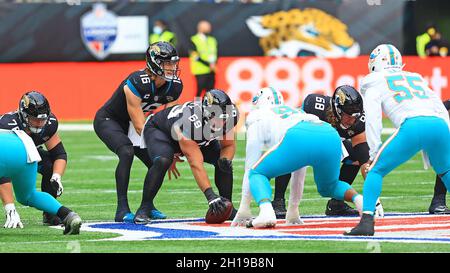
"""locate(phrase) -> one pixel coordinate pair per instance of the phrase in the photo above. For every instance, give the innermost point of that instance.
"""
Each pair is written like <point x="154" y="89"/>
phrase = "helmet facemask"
<point x="169" y="69"/>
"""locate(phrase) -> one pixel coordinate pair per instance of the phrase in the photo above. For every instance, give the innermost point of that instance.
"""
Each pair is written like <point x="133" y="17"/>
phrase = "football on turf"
<point x="212" y="218"/>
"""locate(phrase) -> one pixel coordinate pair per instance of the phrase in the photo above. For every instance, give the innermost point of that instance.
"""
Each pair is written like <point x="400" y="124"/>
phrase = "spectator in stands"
<point x="203" y="57"/>
<point x="423" y="39"/>
<point x="162" y="33"/>
<point x="437" y="46"/>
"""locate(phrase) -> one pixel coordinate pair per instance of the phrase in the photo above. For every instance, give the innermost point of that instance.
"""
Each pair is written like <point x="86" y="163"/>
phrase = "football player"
<point x="421" y="120"/>
<point x="345" y="112"/>
<point x="266" y="97"/>
<point x="19" y="159"/>
<point x="299" y="140"/>
<point x="123" y="115"/>
<point x="438" y="204"/>
<point x="35" y="118"/>
<point x="203" y="132"/>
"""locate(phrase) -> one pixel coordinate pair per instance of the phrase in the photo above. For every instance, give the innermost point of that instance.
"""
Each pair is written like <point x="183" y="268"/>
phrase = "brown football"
<point x="212" y="218"/>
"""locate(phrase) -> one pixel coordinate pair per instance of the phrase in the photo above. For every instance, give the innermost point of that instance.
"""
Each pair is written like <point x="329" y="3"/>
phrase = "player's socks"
<point x="446" y="180"/>
<point x="281" y="183"/>
<point x="224" y="183"/>
<point x="371" y="190"/>
<point x="259" y="187"/>
<point x="63" y="212"/>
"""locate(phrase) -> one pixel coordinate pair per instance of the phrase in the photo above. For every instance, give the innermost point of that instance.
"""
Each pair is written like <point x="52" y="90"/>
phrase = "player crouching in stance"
<point x="201" y="131"/>
<point x="266" y="97"/>
<point x="300" y="140"/>
<point x="19" y="159"/>
<point x="417" y="112"/>
<point x="35" y="118"/>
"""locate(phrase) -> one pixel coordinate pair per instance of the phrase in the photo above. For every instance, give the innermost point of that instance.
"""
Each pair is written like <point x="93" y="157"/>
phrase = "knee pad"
<point x="162" y="163"/>
<point x="125" y="152"/>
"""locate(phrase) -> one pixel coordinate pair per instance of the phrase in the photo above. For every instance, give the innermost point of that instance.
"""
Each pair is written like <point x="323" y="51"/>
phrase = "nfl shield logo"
<point x="99" y="30"/>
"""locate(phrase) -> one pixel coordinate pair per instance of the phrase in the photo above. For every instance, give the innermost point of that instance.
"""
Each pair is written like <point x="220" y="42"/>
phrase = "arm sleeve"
<point x="374" y="125"/>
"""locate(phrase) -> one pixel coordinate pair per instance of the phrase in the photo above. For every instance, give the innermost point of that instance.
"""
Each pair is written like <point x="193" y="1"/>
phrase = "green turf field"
<point x="89" y="189"/>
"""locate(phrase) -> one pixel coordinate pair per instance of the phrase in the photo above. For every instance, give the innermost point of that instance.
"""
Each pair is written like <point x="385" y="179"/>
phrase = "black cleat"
<point x="438" y="205"/>
<point x="142" y="216"/>
<point x="72" y="224"/>
<point x="124" y="216"/>
<point x="366" y="227"/>
<point x="439" y="209"/>
<point x="50" y="219"/>
<point x="279" y="206"/>
<point x="339" y="208"/>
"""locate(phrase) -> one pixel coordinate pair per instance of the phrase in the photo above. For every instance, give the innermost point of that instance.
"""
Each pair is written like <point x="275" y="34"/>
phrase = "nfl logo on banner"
<point x="99" y="30"/>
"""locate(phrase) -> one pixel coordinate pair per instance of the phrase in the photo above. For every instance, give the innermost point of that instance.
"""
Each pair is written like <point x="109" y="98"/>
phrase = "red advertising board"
<point x="77" y="90"/>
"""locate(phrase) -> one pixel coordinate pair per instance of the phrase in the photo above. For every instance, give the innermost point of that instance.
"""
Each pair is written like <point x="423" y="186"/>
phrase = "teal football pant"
<point x="305" y="144"/>
<point x="430" y="134"/>
<point x="13" y="164"/>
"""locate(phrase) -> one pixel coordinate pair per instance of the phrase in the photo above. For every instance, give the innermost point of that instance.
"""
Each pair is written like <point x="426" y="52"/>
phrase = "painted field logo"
<point x="399" y="227"/>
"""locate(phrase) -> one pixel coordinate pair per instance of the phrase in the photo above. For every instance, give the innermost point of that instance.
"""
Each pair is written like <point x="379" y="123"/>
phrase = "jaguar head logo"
<point x="308" y="32"/>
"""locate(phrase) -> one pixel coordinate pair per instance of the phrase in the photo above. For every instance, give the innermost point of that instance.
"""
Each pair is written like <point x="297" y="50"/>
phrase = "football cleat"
<point x="157" y="215"/>
<point x="366" y="227"/>
<point x="142" y="216"/>
<point x="265" y="219"/>
<point x="72" y="224"/>
<point x="124" y="217"/>
<point x="279" y="206"/>
<point x="439" y="209"/>
<point x="339" y="208"/>
<point x="438" y="205"/>
<point x="50" y="219"/>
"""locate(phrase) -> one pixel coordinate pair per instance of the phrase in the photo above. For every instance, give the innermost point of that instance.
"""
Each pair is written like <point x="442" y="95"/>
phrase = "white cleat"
<point x="266" y="219"/>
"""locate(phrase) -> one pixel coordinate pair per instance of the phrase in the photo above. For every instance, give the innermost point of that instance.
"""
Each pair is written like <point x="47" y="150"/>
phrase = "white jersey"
<point x="400" y="95"/>
<point x="266" y="127"/>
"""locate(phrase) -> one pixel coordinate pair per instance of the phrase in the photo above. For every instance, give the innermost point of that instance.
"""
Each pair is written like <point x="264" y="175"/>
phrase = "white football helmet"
<point x="268" y="96"/>
<point x="385" y="56"/>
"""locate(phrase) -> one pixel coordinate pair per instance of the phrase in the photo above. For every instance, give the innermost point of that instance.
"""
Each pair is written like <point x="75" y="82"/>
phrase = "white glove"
<point x="12" y="217"/>
<point x="55" y="181"/>
<point x="379" y="211"/>
<point x="242" y="217"/>
<point x="293" y="217"/>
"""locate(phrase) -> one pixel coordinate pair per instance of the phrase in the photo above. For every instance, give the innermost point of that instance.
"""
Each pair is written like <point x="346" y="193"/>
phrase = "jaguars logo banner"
<point x="99" y="30"/>
<point x="311" y="32"/>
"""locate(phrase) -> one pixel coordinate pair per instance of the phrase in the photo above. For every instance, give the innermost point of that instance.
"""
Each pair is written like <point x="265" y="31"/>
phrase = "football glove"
<point x="225" y="165"/>
<point x="56" y="184"/>
<point x="379" y="211"/>
<point x="12" y="217"/>
<point x="216" y="203"/>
